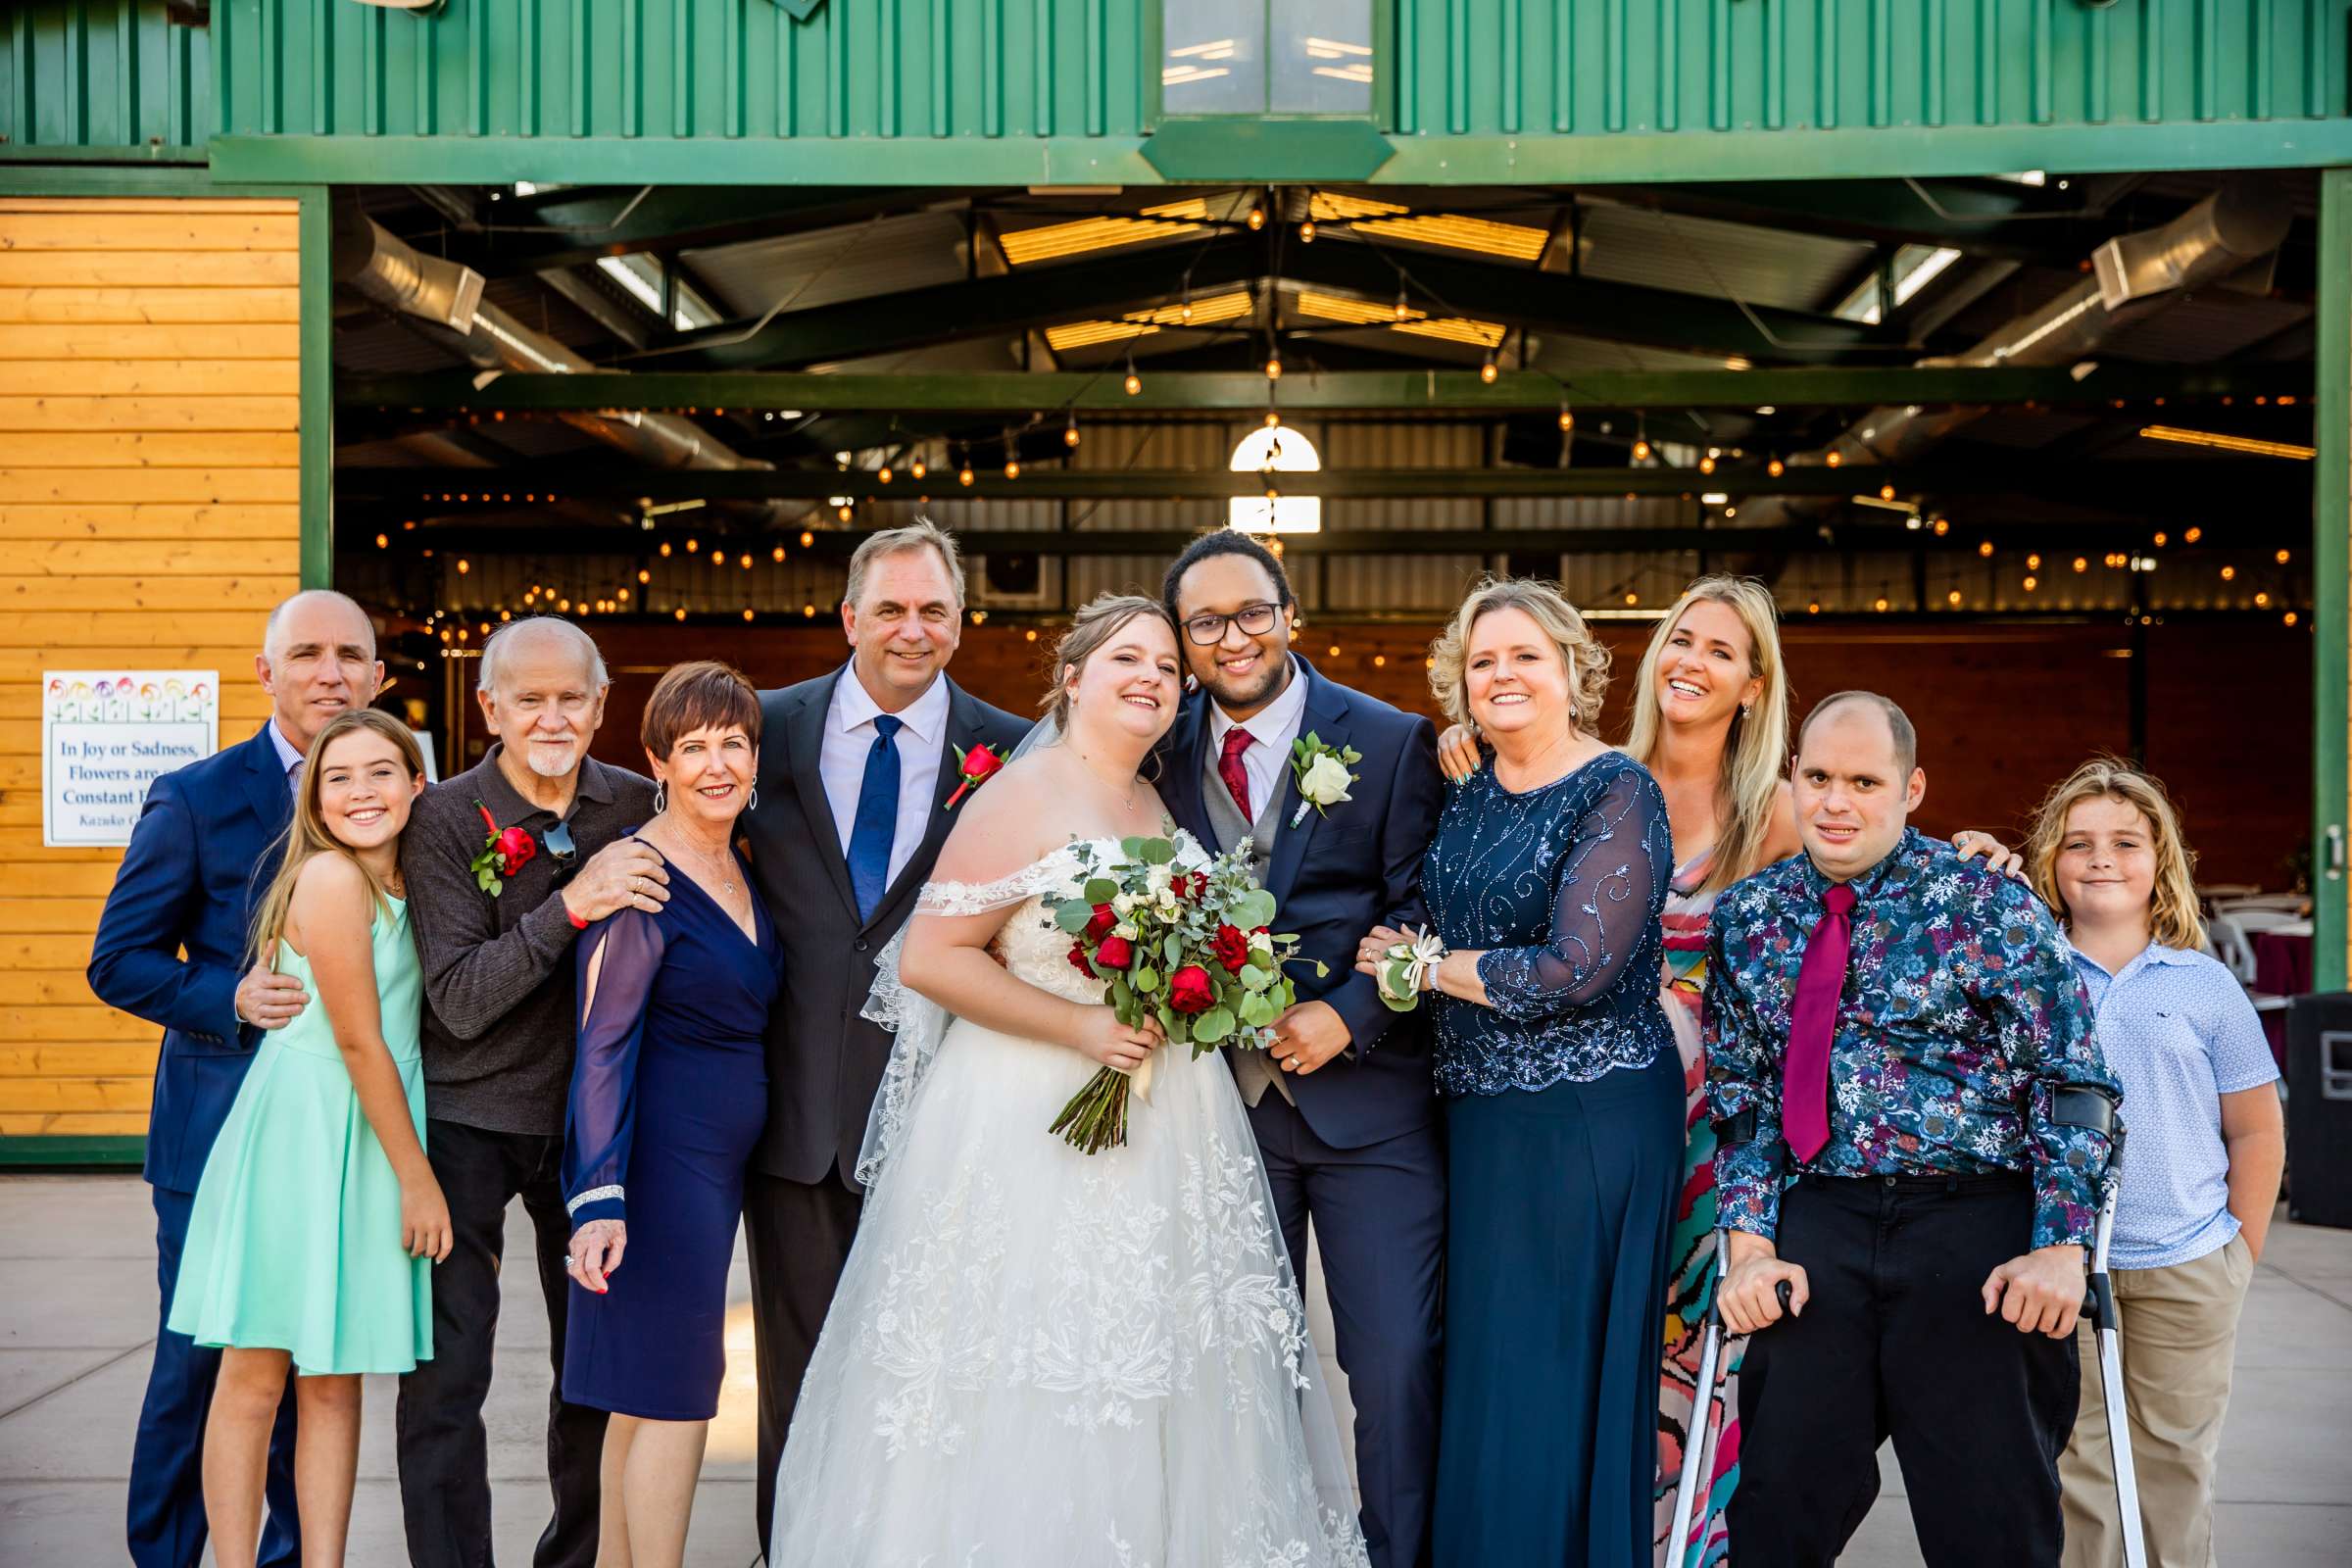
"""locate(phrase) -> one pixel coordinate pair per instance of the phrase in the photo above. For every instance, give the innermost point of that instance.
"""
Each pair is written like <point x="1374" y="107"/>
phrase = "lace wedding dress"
<point x="1038" y="1356"/>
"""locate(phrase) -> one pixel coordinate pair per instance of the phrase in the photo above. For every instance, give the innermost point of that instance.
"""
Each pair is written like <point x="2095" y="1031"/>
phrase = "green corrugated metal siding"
<point x="1528" y="90"/>
<point x="102" y="74"/>
<point x="1598" y="67"/>
<point x="683" y="68"/>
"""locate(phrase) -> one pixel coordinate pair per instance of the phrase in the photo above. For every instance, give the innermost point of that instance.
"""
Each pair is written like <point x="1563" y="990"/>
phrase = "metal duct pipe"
<point x="392" y="272"/>
<point x="2133" y="276"/>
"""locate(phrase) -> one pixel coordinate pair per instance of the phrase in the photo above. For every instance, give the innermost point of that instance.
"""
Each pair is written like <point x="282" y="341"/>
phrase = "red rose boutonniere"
<point x="505" y="851"/>
<point x="978" y="766"/>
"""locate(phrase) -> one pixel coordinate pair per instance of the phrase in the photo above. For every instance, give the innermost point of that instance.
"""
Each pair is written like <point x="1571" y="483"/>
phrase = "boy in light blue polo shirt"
<point x="2205" y="1146"/>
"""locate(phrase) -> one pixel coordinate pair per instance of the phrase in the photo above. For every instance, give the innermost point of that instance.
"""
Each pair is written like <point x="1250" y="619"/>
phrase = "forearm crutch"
<point x="2093" y="1108"/>
<point x="1696" y="1436"/>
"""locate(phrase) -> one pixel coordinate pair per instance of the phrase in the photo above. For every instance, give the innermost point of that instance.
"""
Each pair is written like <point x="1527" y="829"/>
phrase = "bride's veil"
<point x="919" y="1022"/>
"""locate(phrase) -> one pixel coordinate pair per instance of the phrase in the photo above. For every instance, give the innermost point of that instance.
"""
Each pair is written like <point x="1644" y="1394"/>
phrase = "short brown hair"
<point x="702" y="694"/>
<point x="920" y="534"/>
<point x="1898" y="725"/>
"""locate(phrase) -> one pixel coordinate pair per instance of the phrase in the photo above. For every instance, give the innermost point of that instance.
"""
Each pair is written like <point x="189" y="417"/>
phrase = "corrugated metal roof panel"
<point x="823" y="267"/>
<point x="1707" y="256"/>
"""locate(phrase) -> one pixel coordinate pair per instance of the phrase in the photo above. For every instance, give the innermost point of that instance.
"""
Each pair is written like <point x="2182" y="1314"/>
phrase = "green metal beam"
<point x="1520" y="296"/>
<point x="2127" y="484"/>
<point x="1999" y="219"/>
<point x="833" y="544"/>
<point x="981" y="307"/>
<point x="1331" y="392"/>
<point x="2331" y="586"/>
<point x="1856" y="152"/>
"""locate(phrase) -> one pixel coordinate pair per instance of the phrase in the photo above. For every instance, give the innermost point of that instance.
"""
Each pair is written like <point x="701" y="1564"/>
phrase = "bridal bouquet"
<point x="1196" y="950"/>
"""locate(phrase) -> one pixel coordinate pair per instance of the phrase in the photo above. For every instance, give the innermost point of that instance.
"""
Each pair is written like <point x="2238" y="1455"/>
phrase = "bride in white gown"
<point x="1038" y="1356"/>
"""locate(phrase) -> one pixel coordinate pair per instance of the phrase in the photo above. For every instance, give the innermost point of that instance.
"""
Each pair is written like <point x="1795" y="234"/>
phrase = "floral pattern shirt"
<point x="1559" y="888"/>
<point x="1961" y="1017"/>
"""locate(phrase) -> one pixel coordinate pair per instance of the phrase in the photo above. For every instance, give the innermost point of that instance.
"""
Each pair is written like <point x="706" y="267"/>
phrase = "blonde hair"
<point x="1756" y="748"/>
<point x="306" y="837"/>
<point x="1587" y="660"/>
<point x="1096" y="622"/>
<point x="2174" y="917"/>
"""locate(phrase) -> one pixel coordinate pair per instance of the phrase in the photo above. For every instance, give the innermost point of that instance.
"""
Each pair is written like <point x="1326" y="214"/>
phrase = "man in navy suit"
<point x="172" y="949"/>
<point x="1344" y="1106"/>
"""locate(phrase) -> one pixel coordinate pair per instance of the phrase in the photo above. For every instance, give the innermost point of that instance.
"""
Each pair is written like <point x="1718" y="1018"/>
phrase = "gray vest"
<point x="1251" y="1069"/>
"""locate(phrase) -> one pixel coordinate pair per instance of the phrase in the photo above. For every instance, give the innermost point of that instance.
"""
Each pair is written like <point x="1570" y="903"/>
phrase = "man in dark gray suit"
<point x="855" y="772"/>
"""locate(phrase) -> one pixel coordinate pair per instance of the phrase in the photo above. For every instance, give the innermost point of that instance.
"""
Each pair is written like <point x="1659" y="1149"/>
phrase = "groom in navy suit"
<point x="172" y="949"/>
<point x="1344" y="1106"/>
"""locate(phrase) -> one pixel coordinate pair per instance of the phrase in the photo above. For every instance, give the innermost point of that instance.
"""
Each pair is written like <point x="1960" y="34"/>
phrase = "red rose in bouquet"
<point x="1174" y="946"/>
<point x="1190" y="991"/>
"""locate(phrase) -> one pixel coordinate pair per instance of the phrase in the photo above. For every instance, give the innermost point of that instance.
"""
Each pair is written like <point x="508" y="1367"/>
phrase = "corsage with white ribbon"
<point x="1406" y="967"/>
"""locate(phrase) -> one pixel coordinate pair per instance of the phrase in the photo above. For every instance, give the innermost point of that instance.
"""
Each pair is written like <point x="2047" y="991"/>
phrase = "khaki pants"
<point x="2179" y="1339"/>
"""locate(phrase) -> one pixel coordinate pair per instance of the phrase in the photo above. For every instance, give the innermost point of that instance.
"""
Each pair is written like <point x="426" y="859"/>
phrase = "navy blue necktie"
<point x="876" y="823"/>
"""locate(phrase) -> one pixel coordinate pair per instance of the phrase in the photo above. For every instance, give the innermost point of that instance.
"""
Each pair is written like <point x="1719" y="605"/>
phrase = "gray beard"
<point x="546" y="768"/>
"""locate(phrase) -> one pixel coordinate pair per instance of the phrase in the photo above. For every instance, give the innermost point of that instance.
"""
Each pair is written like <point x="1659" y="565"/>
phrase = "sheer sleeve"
<point x="1610" y="890"/>
<point x="601" y="1116"/>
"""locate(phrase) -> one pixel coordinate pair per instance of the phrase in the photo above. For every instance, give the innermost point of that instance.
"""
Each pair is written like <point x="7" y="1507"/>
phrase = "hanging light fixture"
<point x="1567" y="417"/>
<point x="1403" y="310"/>
<point x="1274" y="366"/>
<point x="1489" y="370"/>
<point x="1134" y="382"/>
<point x="1306" y="232"/>
<point x="918" y="468"/>
<point x="1069" y="431"/>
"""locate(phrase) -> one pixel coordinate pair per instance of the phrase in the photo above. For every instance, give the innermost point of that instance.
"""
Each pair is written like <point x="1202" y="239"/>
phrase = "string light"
<point x="1273" y="420"/>
<point x="1984" y="549"/>
<point x="1835" y="458"/>
<point x="1184" y="311"/>
<point x="464" y="566"/>
<point x="2033" y="583"/>
<point x="1257" y="218"/>
<point x="1306" y="232"/>
<point x="2193" y="536"/>
<point x="1943" y="525"/>
<point x="666" y="550"/>
<point x="1776" y="468"/>
<point x="808" y="540"/>
<point x="884" y="475"/>
<point x="2229" y="575"/>
<point x="777" y="554"/>
<point x="1813" y="607"/>
<point x="1134" y="382"/>
<point x="1489" y="370"/>
<point x="2290" y="617"/>
<point x="2033" y="561"/>
<point x="747" y="612"/>
<point x="2261" y="600"/>
<point x="2081" y="563"/>
<point x="918" y="468"/>
<point x="963" y="475"/>
<point x="1567" y="417"/>
<point x="2284" y="557"/>
<point x="1707" y="464"/>
<point x="747" y="561"/>
<point x="1880" y="602"/>
<point x="1952" y="599"/>
<point x="1403" y="310"/>
<point x="1069" y="432"/>
<point x="1886" y="491"/>
<point x="2159" y="541"/>
<point x="846" y="511"/>
<point x="1274" y="366"/>
<point x="1632" y="599"/>
<point x="693" y="544"/>
<point x="383" y="541"/>
<point x="678" y="613"/>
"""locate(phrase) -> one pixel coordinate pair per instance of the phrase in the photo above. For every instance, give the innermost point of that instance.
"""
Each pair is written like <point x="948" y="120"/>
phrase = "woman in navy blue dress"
<point x="668" y="1096"/>
<point x="1564" y="1102"/>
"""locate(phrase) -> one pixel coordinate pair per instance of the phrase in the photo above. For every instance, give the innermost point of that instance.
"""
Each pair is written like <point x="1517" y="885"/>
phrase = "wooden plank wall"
<point x="149" y="516"/>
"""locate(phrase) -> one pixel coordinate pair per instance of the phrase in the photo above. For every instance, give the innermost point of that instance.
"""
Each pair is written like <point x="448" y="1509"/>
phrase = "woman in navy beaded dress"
<point x="1564" y="1102"/>
<point x="669" y="1097"/>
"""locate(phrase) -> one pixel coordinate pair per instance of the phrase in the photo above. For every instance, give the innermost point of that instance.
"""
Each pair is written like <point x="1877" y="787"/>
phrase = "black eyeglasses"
<point x="1255" y="620"/>
<point x="561" y="850"/>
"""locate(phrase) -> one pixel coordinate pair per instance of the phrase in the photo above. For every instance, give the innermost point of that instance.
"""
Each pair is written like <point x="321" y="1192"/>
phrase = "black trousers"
<point x="799" y="1236"/>
<point x="1896" y="1343"/>
<point x="444" y="1451"/>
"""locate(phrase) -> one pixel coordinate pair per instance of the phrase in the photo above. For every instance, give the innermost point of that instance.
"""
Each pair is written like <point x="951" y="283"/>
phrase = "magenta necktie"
<point x="1229" y="768"/>
<point x="1813" y="1024"/>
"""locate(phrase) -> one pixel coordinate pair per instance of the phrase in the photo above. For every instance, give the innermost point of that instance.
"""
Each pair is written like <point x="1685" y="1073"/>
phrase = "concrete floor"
<point x="77" y="1314"/>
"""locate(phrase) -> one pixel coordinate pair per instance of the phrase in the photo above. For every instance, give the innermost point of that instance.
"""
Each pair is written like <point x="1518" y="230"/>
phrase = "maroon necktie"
<point x="1813" y="1024"/>
<point x="1229" y="767"/>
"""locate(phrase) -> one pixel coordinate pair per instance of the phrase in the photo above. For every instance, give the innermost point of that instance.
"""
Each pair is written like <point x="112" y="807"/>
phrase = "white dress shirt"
<point x="850" y="735"/>
<point x="1272" y="729"/>
<point x="289" y="756"/>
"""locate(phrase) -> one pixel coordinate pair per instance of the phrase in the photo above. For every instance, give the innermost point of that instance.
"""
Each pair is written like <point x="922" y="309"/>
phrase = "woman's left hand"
<point x="594" y="1252"/>
<point x="1375" y="947"/>
<point x="1998" y="857"/>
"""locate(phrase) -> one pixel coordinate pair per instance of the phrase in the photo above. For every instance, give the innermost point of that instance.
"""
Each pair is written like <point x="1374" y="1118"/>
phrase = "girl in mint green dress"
<point x="317" y="1215"/>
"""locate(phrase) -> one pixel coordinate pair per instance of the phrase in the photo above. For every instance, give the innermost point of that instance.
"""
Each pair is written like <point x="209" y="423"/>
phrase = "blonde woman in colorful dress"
<point x="1711" y="722"/>
<point x="316" y="1213"/>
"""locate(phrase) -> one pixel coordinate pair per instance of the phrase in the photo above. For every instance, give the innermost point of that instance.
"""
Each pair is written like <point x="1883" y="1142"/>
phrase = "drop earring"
<point x="660" y="797"/>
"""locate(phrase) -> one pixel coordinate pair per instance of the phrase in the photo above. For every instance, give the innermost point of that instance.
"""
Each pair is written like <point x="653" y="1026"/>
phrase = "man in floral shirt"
<point x="1897" y="1041"/>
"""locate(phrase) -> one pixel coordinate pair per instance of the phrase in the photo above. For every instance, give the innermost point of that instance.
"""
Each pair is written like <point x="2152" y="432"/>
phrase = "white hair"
<point x="591" y="661"/>
<point x="273" y="631"/>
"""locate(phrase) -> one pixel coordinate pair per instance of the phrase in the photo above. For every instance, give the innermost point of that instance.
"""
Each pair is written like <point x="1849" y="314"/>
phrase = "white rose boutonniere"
<point x="1322" y="774"/>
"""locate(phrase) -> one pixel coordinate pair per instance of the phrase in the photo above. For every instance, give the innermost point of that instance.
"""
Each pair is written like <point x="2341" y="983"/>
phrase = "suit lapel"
<point x="1180" y="790"/>
<point x="804" y="734"/>
<point x="1326" y="716"/>
<point x="962" y="732"/>
<point x="266" y="784"/>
